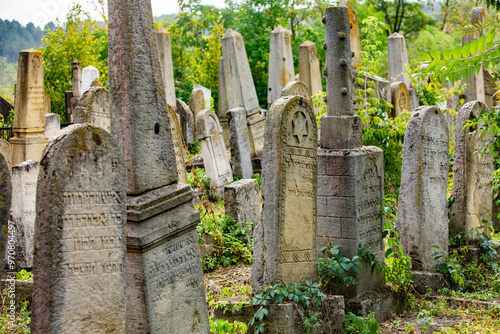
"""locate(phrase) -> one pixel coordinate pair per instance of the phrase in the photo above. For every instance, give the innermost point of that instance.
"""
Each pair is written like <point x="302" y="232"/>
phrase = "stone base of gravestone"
<point x="256" y="124"/>
<point x="27" y="148"/>
<point x="350" y="188"/>
<point x="423" y="281"/>
<point x="383" y="303"/>
<point x="242" y="202"/>
<point x="163" y="263"/>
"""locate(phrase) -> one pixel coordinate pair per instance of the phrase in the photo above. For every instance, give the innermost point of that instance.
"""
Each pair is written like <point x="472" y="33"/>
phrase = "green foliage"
<point x="80" y="38"/>
<point x="220" y="326"/>
<point x="15" y="37"/>
<point x="24" y="275"/>
<point x="431" y="39"/>
<point x="311" y="321"/>
<point x="232" y="243"/>
<point x="319" y="103"/>
<point x="360" y="325"/>
<point x="8" y="77"/>
<point x="197" y="178"/>
<point x="7" y="123"/>
<point x="21" y="322"/>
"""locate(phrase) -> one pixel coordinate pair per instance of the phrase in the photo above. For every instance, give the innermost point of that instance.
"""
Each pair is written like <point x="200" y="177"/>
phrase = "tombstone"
<point x="490" y="89"/>
<point x="6" y="151"/>
<point x="52" y="125"/>
<point x="77" y="79"/>
<point x="422" y="215"/>
<point x="24" y="184"/>
<point x="180" y="156"/>
<point x="472" y="175"/>
<point x="285" y="238"/>
<point x="281" y="70"/>
<point x="167" y="66"/>
<point x="165" y="291"/>
<point x="223" y="108"/>
<point x="70" y="103"/>
<point x="186" y="121"/>
<point x="207" y="95"/>
<point x="400" y="98"/>
<point x="5" y="108"/>
<point x="213" y="150"/>
<point x="89" y="74"/>
<point x="31" y="105"/>
<point x="309" y="69"/>
<point x="297" y="88"/>
<point x="79" y="269"/>
<point x="242" y="202"/>
<point x="452" y="100"/>
<point x="354" y="33"/>
<point x="382" y="90"/>
<point x="350" y="175"/>
<point x="197" y="102"/>
<point x="241" y="163"/>
<point x="398" y="58"/>
<point x="93" y="108"/>
<point x="5" y="195"/>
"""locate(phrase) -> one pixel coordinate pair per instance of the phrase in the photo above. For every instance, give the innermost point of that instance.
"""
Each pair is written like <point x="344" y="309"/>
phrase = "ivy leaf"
<point x="435" y="54"/>
<point x="447" y="54"/>
<point x="489" y="39"/>
<point x="457" y="52"/>
<point x="426" y="57"/>
<point x="466" y="50"/>
<point x="473" y="47"/>
<point x="482" y="43"/>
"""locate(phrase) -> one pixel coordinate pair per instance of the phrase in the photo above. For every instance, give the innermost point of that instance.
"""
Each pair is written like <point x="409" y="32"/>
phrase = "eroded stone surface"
<point x="285" y="238"/>
<point x="79" y="269"/>
<point x="5" y="202"/>
<point x="197" y="101"/>
<point x="422" y="215"/>
<point x="241" y="162"/>
<point x="354" y="33"/>
<point x="241" y="201"/>
<point x="400" y="98"/>
<point x="6" y="151"/>
<point x="309" y="69"/>
<point x="52" y="125"/>
<point x="186" y="121"/>
<point x="178" y="146"/>
<point x="167" y="67"/>
<point x="93" y="108"/>
<point x="297" y="88"/>
<point x="281" y="70"/>
<point x="398" y="58"/>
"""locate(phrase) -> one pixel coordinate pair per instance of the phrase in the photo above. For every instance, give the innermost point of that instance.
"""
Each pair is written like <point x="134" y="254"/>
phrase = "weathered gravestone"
<point x="6" y="151"/>
<point x="52" y="125"/>
<point x="309" y="69"/>
<point x="472" y="174"/>
<point x="186" y="121"/>
<point x="79" y="268"/>
<point x="165" y="292"/>
<point x="24" y="181"/>
<point x="422" y="215"/>
<point x="281" y="70"/>
<point x="93" y="108"/>
<point x="207" y="95"/>
<point x="285" y="238"/>
<point x="239" y="143"/>
<point x="167" y="67"/>
<point x="5" y="200"/>
<point x="400" y="98"/>
<point x="77" y="79"/>
<point x="354" y="33"/>
<point x="297" y="88"/>
<point x="213" y="150"/>
<point x="89" y="74"/>
<point x="350" y="175"/>
<point x="242" y="202"/>
<point x="223" y="108"/>
<point x="180" y="156"/>
<point x="31" y="105"/>
<point x="197" y="102"/>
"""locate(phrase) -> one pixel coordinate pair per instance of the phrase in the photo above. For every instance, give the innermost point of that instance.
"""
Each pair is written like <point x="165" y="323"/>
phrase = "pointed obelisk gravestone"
<point x="472" y="174"/>
<point x="297" y="88"/>
<point x="24" y="183"/>
<point x="285" y="238"/>
<point x="281" y="70"/>
<point x="93" y="108"/>
<point x="80" y="242"/>
<point x="400" y="98"/>
<point x="165" y="291"/>
<point x="213" y="150"/>
<point x="32" y="103"/>
<point x="422" y="215"/>
<point x="223" y="108"/>
<point x="89" y="74"/>
<point x="6" y="151"/>
<point x="350" y="175"/>
<point x="354" y="33"/>
<point x="186" y="121"/>
<point x="52" y="125"/>
<point x="241" y="162"/>
<point x="240" y="89"/>
<point x="309" y="69"/>
<point x="167" y="66"/>
<point x="5" y="201"/>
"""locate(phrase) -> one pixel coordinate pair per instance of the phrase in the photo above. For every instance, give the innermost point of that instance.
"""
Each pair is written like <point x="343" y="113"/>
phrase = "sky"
<point x="40" y="12"/>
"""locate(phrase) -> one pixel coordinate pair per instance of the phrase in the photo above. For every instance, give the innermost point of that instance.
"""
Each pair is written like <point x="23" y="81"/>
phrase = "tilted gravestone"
<point x="186" y="121"/>
<point x="285" y="238"/>
<point x="197" y="101"/>
<point x="400" y="98"/>
<point x="297" y="88"/>
<point x="52" y="125"/>
<point x="207" y="95"/>
<point x="24" y="183"/>
<point x="472" y="174"/>
<point x="167" y="67"/>
<point x="213" y="150"/>
<point x="309" y="69"/>
<point x="80" y="243"/>
<point x="5" y="201"/>
<point x="242" y="202"/>
<point x="422" y="215"/>
<point x="93" y="108"/>
<point x="180" y="156"/>
<point x="281" y="70"/>
<point x="239" y="143"/>
<point x="165" y="291"/>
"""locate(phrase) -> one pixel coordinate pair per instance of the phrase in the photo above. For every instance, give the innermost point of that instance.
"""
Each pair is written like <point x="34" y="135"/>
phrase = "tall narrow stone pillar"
<point x="167" y="66"/>
<point x="309" y="70"/>
<point x="281" y="70"/>
<point x="31" y="105"/>
<point x="354" y="33"/>
<point x="165" y="292"/>
<point x="350" y="175"/>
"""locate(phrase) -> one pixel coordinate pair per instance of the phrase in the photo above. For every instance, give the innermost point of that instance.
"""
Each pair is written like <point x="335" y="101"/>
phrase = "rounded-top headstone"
<point x="5" y="201"/>
<point x="400" y="98"/>
<point x="197" y="101"/>
<point x="80" y="244"/>
<point x="297" y="88"/>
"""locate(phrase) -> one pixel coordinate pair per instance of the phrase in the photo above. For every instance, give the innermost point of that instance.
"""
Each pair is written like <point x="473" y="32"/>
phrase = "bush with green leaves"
<point x="220" y="326"/>
<point x="359" y="325"/>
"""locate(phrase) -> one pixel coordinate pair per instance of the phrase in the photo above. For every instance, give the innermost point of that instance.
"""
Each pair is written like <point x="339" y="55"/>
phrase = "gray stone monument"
<point x="93" y="108"/>
<point x="5" y="195"/>
<point x="207" y="95"/>
<point x="24" y="183"/>
<point x="79" y="269"/>
<point x="197" y="102"/>
<point x="400" y="98"/>
<point x="165" y="292"/>
<point x="52" y="125"/>
<point x="281" y="70"/>
<point x="77" y="79"/>
<point x="242" y="202"/>
<point x="350" y="175"/>
<point x="472" y="174"/>
<point x="297" y="88"/>
<point x="239" y="143"/>
<point x="310" y="72"/>
<point x="180" y="156"/>
<point x="89" y="74"/>
<point x="213" y="150"/>
<point x="6" y="151"/>
<point x="186" y="121"/>
<point x="167" y="66"/>
<point x="223" y="108"/>
<point x="285" y="238"/>
<point x="422" y="215"/>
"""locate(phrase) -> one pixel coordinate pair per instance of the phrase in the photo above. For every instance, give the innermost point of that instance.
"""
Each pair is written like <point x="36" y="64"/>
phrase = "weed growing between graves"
<point x="357" y="324"/>
<point x="220" y="326"/>
<point x="17" y="322"/>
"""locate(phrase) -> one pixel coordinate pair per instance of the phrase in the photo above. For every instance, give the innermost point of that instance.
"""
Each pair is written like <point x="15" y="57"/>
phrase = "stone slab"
<point x="94" y="108"/>
<point x="242" y="202"/>
<point x="309" y="69"/>
<point x="281" y="69"/>
<point x="5" y="203"/>
<point x="167" y="66"/>
<point x="89" y="74"/>
<point x="239" y="143"/>
<point x="52" y="125"/>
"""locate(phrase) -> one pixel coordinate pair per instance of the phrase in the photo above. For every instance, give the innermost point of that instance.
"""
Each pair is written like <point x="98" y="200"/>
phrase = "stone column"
<point x="281" y="70"/>
<point x="89" y="74"/>
<point x="309" y="70"/>
<point x="165" y="291"/>
<point x="239" y="143"/>
<point x="223" y="108"/>
<point x="77" y="78"/>
<point x="31" y="105"/>
<point x="167" y="66"/>
<point x="350" y="175"/>
<point x="5" y="195"/>
<point x="354" y="33"/>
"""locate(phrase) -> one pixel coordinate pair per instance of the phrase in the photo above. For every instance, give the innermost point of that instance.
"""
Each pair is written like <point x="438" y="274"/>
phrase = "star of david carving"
<point x="300" y="126"/>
